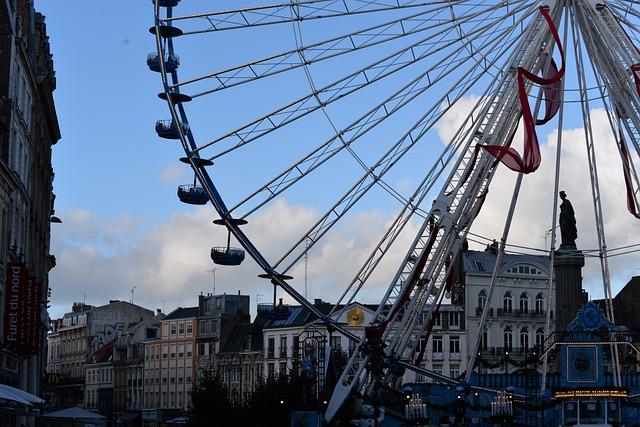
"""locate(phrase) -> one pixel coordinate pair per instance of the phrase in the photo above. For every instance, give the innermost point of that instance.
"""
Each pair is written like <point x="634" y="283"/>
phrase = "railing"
<point x="479" y="311"/>
<point x="520" y="314"/>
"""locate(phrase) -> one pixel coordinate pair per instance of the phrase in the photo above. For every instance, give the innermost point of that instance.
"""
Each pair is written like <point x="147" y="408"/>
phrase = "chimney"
<point x="158" y="311"/>
<point x="317" y="301"/>
<point x="280" y="302"/>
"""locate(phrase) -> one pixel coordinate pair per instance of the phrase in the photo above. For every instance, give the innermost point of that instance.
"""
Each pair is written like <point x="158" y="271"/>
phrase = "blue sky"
<point x="116" y="180"/>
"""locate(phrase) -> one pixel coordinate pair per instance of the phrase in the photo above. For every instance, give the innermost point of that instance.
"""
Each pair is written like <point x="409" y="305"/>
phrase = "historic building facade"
<point x="80" y="334"/>
<point x="169" y="362"/>
<point x="516" y="320"/>
<point x="28" y="130"/>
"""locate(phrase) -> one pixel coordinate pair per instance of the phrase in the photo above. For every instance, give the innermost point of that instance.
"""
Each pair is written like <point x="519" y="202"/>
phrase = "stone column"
<point x="567" y="264"/>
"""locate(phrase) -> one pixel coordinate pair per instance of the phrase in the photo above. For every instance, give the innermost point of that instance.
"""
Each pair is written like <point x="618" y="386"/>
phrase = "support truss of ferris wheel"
<point x="509" y="45"/>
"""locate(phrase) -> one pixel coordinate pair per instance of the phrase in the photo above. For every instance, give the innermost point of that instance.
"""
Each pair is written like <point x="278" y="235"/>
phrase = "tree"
<point x="209" y="399"/>
<point x="270" y="405"/>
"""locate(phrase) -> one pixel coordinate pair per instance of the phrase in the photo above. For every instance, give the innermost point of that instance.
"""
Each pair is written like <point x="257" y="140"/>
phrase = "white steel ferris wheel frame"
<point x="420" y="282"/>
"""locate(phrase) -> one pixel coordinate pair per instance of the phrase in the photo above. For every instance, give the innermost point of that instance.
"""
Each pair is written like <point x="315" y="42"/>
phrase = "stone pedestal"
<point x="567" y="264"/>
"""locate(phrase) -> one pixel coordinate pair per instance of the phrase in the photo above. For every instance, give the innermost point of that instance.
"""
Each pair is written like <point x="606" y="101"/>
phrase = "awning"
<point x="74" y="413"/>
<point x="17" y="395"/>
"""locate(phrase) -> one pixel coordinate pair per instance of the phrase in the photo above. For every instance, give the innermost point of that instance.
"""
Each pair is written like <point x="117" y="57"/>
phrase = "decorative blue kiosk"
<point x="582" y="388"/>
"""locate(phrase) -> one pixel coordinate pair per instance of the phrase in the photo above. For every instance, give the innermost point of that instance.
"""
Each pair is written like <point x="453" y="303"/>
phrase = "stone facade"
<point x="81" y="334"/>
<point x="169" y="363"/>
<point x="516" y="320"/>
<point x="28" y="130"/>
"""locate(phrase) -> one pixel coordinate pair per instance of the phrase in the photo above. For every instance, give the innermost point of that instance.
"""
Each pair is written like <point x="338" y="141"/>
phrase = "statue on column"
<point x="567" y="223"/>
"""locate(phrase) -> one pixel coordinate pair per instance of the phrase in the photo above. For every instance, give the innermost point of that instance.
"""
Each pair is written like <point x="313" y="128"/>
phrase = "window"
<point x="507" y="303"/>
<point x="283" y="368"/>
<point x="483" y="341"/>
<point x="181" y="350"/>
<point x="181" y="328"/>
<point x="454" y="345"/>
<point x="524" y="339"/>
<point x="437" y="344"/>
<point x="508" y="339"/>
<point x="283" y="346"/>
<point x="335" y="342"/>
<point x="173" y="351"/>
<point x="422" y="344"/>
<point x="271" y="347"/>
<point x="482" y="298"/>
<point x="203" y="327"/>
<point x="454" y="319"/>
<point x="189" y="327"/>
<point x="173" y="328"/>
<point x="201" y="349"/>
<point x="271" y="370"/>
<point x="189" y="349"/>
<point x="539" y="304"/>
<point x="235" y="374"/>
<point x="437" y="368"/>
<point x="539" y="338"/>
<point x="352" y="346"/>
<point x="454" y="370"/>
<point x="480" y="266"/>
<point x="524" y="303"/>
<point x="438" y="321"/>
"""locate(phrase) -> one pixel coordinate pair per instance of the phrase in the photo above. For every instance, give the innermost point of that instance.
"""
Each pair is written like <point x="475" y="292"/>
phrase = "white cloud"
<point x="533" y="216"/>
<point x="174" y="174"/>
<point x="169" y="262"/>
<point x="105" y="258"/>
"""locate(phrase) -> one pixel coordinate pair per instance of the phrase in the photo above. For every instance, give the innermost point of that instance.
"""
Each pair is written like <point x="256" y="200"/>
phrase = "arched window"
<point x="508" y="339"/>
<point x="539" y="304"/>
<point x="539" y="338"/>
<point x="507" y="303"/>
<point x="524" y="339"/>
<point x="482" y="298"/>
<point x="524" y="303"/>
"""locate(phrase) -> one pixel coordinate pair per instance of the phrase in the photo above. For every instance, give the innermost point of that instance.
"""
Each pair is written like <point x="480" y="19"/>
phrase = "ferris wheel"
<point x="338" y="103"/>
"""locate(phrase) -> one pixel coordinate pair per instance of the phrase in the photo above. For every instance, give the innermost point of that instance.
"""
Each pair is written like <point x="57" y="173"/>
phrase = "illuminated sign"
<point x="590" y="393"/>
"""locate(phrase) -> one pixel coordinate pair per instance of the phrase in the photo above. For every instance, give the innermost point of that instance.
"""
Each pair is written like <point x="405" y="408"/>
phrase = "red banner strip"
<point x="626" y="168"/>
<point x="530" y="160"/>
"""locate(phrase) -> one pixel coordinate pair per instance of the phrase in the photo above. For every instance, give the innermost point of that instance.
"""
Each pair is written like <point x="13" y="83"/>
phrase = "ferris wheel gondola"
<point x="358" y="88"/>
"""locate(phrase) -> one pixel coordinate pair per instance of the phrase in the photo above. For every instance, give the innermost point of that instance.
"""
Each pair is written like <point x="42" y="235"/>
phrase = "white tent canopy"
<point x="17" y="395"/>
<point x="74" y="413"/>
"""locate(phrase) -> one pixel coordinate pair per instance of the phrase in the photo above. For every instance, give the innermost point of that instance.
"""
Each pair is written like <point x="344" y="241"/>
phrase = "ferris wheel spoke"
<point x="621" y="14"/>
<point x="386" y="163"/>
<point x="341" y="88"/>
<point x="367" y="122"/>
<point x="611" y="57"/>
<point x="617" y="125"/>
<point x="412" y="205"/>
<point x="296" y="11"/>
<point x="326" y="49"/>
<point x="363" y="125"/>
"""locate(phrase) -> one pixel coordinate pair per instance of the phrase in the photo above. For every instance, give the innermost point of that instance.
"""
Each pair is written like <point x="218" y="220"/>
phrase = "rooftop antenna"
<point x="213" y="271"/>
<point x="132" y="291"/>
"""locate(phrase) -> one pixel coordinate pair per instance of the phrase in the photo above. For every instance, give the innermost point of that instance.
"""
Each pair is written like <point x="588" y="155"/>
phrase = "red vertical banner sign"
<point x="14" y="314"/>
<point x="22" y="323"/>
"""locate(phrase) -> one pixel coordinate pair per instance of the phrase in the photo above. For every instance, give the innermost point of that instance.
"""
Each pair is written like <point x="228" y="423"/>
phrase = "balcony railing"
<point x="520" y="314"/>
